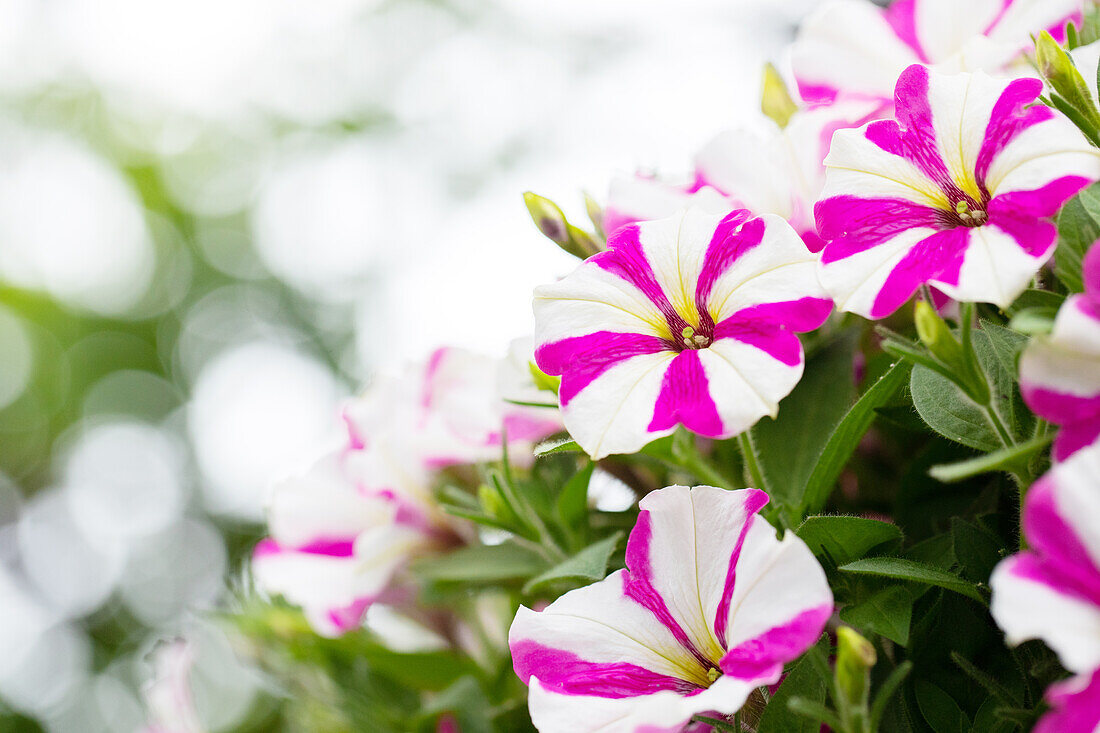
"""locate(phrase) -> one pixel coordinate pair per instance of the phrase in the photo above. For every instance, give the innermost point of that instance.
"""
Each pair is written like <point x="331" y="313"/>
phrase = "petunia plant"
<point x="807" y="435"/>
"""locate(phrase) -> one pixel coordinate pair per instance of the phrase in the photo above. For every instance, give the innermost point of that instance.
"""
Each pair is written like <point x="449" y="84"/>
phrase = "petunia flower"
<point x="710" y="606"/>
<point x="772" y="172"/>
<point x="341" y="532"/>
<point x="1052" y="591"/>
<point x="959" y="193"/>
<point x="1076" y="706"/>
<point x="851" y="49"/>
<point x="687" y="321"/>
<point x="450" y="411"/>
<point x="1060" y="373"/>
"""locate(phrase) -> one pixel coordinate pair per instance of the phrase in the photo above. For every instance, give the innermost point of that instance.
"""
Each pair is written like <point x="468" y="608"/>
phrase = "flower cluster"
<point x="923" y="154"/>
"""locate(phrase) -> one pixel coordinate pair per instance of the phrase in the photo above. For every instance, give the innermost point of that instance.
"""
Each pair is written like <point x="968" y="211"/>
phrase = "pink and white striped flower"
<point x="1076" y="706"/>
<point x="773" y="172"/>
<point x="1052" y="591"/>
<point x="851" y="49"/>
<point x="711" y="606"/>
<point x="687" y="321"/>
<point x="1060" y="373"/>
<point x="958" y="193"/>
<point x="340" y="533"/>
<point x="449" y="411"/>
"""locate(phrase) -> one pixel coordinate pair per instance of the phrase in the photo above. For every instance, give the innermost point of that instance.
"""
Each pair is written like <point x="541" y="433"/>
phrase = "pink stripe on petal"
<point x="266" y="548"/>
<point x="764" y="656"/>
<point x="939" y="256"/>
<point x="1090" y="273"/>
<point x="817" y="94"/>
<point x="637" y="584"/>
<point x="1056" y="544"/>
<point x="581" y="359"/>
<point x="804" y="314"/>
<point x="567" y="674"/>
<point x="349" y="617"/>
<point x="901" y="15"/>
<point x="913" y="135"/>
<point x="330" y="546"/>
<point x="852" y="225"/>
<point x="626" y="259"/>
<point x="685" y="398"/>
<point x="1059" y="407"/>
<point x="1009" y="118"/>
<point x="769" y="337"/>
<point x="1042" y="202"/>
<point x="733" y="237"/>
<point x="755" y="500"/>
<point x="1076" y="435"/>
<point x="1076" y="704"/>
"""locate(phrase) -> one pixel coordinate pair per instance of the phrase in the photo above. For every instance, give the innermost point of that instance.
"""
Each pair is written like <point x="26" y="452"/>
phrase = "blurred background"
<point x="219" y="217"/>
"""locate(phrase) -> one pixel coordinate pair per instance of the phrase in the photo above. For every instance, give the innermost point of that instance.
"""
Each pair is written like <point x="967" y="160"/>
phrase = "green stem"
<point x="998" y="425"/>
<point x="748" y="453"/>
<point x="698" y="464"/>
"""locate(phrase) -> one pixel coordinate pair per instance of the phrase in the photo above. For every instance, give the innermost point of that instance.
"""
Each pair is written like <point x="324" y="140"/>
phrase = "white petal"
<point x="638" y="198"/>
<point x="693" y="533"/>
<point x="750" y="167"/>
<point x="323" y="504"/>
<point x="995" y="269"/>
<point x="855" y="282"/>
<point x="675" y="248"/>
<point x="962" y="105"/>
<point x="1068" y="360"/>
<point x="612" y="414"/>
<point x="745" y="383"/>
<point x="847" y="45"/>
<point x="600" y="624"/>
<point x="856" y="166"/>
<point x="592" y="299"/>
<point x="777" y="270"/>
<point x="1026" y="609"/>
<point x="1025" y="18"/>
<point x="664" y="712"/>
<point x="776" y="581"/>
<point x="944" y="27"/>
<point x="1040" y="154"/>
<point x="1077" y="493"/>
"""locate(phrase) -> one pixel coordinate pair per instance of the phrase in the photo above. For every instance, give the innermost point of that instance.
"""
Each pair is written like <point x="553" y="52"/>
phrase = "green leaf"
<point x="557" y="445"/>
<point x="846" y="538"/>
<point x="789" y="447"/>
<point x="846" y="436"/>
<point x="885" y="694"/>
<point x="1078" y="228"/>
<point x="588" y="565"/>
<point x="803" y="681"/>
<point x="482" y="564"/>
<point x="1012" y="459"/>
<point x="940" y="710"/>
<point x="902" y="569"/>
<point x="948" y="411"/>
<point x="990" y="683"/>
<point x="975" y="548"/>
<point x="572" y="502"/>
<point x="887" y="612"/>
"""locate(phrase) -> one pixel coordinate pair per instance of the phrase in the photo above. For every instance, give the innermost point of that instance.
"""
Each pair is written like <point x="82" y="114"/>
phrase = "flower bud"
<point x="935" y="335"/>
<point x="1059" y="71"/>
<point x="854" y="658"/>
<point x="551" y="221"/>
<point x="775" y="100"/>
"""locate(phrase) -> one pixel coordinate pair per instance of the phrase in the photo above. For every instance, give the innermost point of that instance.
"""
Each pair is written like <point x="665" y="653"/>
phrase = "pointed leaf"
<point x="902" y="569"/>
<point x="846" y="538"/>
<point x="887" y="612"/>
<point x="588" y="565"/>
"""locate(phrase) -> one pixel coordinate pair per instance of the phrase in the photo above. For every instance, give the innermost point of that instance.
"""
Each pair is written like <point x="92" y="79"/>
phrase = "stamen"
<point x="694" y="340"/>
<point x="713" y="674"/>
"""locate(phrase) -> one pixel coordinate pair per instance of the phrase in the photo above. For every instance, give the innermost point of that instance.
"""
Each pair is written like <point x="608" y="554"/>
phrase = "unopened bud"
<point x="776" y="100"/>
<point x="936" y="336"/>
<point x="551" y="221"/>
<point x="1059" y="71"/>
<point x="854" y="658"/>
